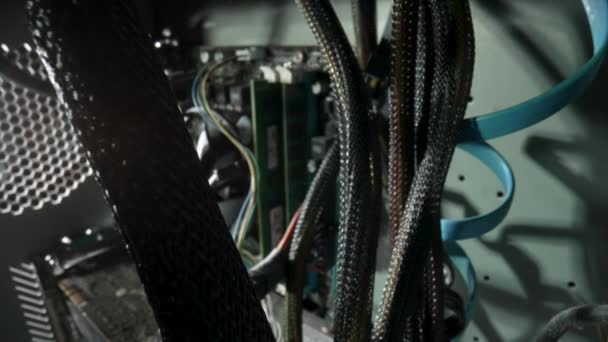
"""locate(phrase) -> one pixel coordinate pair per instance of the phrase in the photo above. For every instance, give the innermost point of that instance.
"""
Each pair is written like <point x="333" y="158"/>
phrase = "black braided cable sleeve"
<point x="354" y="248"/>
<point x="376" y="205"/>
<point x="422" y="81"/>
<point x="418" y="236"/>
<point x="104" y="70"/>
<point x="434" y="329"/>
<point x="401" y="122"/>
<point x="317" y="197"/>
<point x="462" y="43"/>
<point x="266" y="274"/>
<point x="465" y="52"/>
<point x="366" y="32"/>
<point x="572" y="318"/>
<point x="443" y="83"/>
<point x="401" y="131"/>
<point x="434" y="323"/>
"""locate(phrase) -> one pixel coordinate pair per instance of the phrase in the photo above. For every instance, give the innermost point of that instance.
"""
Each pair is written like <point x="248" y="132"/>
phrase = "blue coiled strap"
<point x="510" y="120"/>
<point x="463" y="264"/>
<point x="475" y="226"/>
<point x="471" y="227"/>
<point x="538" y="108"/>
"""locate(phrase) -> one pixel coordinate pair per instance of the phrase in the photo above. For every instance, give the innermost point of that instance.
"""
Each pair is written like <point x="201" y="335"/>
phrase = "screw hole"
<point x="500" y="194"/>
<point x="461" y="178"/>
<point x="475" y="338"/>
<point x="571" y="284"/>
<point x="486" y="277"/>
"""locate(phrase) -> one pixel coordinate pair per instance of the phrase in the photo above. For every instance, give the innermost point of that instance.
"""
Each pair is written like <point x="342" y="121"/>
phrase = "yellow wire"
<point x="250" y="163"/>
<point x="254" y="259"/>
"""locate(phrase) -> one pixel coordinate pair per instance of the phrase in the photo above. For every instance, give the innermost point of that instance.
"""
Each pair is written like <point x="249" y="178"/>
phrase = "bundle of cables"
<point x="431" y="67"/>
<point x="358" y="225"/>
<point x="200" y="99"/>
<point x="265" y="273"/>
<point x="358" y="176"/>
<point x="429" y="91"/>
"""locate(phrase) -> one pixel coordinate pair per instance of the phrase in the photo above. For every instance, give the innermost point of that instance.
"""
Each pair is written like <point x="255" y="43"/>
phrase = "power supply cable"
<point x="401" y="121"/>
<point x="198" y="107"/>
<point x="448" y="80"/>
<point x="104" y="69"/>
<point x="243" y="222"/>
<point x="534" y="110"/>
<point x="356" y="246"/>
<point x="460" y="26"/>
<point x="571" y="318"/>
<point x="267" y="273"/>
<point x="319" y="193"/>
<point x="513" y="118"/>
<point x="366" y="34"/>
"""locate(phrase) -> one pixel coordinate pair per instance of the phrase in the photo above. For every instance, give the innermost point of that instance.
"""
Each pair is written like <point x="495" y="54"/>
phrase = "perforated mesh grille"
<point x="41" y="160"/>
<point x="25" y="59"/>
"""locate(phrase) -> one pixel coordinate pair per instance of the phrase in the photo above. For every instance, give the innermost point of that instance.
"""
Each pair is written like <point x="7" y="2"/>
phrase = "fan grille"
<point x="41" y="159"/>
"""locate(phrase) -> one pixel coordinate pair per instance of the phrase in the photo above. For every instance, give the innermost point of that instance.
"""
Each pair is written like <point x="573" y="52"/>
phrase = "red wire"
<point x="289" y="231"/>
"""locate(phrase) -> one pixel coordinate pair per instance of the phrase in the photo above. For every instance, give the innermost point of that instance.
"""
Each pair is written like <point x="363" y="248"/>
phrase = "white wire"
<point x="274" y="324"/>
<point x="201" y="143"/>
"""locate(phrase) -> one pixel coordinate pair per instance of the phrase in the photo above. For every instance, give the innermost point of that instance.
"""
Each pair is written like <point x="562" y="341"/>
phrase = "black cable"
<point x="422" y="82"/>
<point x="401" y="122"/>
<point x="267" y="273"/>
<point x="461" y="51"/>
<point x="455" y="316"/>
<point x="307" y="226"/>
<point x="571" y="318"/>
<point x="422" y="320"/>
<point x="417" y="240"/>
<point x="126" y="116"/>
<point x="366" y="34"/>
<point x="404" y="52"/>
<point x="354" y="268"/>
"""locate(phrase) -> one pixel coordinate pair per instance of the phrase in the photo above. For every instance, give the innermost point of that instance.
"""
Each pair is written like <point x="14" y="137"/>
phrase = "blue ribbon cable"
<point x="510" y="120"/>
<point x="452" y="230"/>
<point x="536" y="109"/>
<point x="475" y="226"/>
<point x="464" y="266"/>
